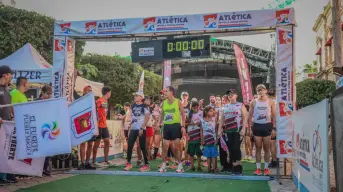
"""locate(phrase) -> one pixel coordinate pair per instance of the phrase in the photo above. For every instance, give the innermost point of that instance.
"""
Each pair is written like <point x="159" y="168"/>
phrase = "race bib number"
<point x="169" y="118"/>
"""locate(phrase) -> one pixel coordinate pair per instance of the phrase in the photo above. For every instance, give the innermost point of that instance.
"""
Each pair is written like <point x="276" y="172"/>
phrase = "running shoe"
<point x="144" y="168"/>
<point x="266" y="172"/>
<point x="97" y="165"/>
<point x="205" y="164"/>
<point x="109" y="164"/>
<point x="81" y="166"/>
<point x="162" y="169"/>
<point x="258" y="172"/>
<point x="128" y="167"/>
<point x="179" y="170"/>
<point x="88" y="166"/>
<point x="159" y="155"/>
<point x="273" y="164"/>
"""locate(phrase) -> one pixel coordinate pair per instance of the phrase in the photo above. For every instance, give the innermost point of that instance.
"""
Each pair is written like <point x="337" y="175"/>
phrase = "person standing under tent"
<point x="174" y="128"/>
<point x="262" y="120"/>
<point x="233" y="122"/>
<point x="273" y="163"/>
<point x="5" y="112"/>
<point x="86" y="151"/>
<point x="140" y="116"/>
<point x="104" y="134"/>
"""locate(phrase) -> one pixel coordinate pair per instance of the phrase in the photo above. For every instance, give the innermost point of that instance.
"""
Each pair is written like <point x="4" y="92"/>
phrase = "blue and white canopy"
<point x="27" y="62"/>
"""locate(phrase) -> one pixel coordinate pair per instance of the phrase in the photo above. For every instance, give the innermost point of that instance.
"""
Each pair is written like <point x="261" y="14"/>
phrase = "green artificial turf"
<point x="248" y="167"/>
<point x="104" y="183"/>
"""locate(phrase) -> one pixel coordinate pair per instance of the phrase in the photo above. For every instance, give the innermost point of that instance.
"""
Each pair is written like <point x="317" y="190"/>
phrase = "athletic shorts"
<point x="149" y="132"/>
<point x="194" y="149"/>
<point x="103" y="133"/>
<point x="210" y="152"/>
<point x="262" y="130"/>
<point x="126" y="134"/>
<point x="172" y="132"/>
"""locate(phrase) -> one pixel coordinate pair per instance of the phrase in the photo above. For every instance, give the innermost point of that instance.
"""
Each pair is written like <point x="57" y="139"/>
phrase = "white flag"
<point x="43" y="128"/>
<point x="83" y="122"/>
<point x="9" y="162"/>
<point x="141" y="84"/>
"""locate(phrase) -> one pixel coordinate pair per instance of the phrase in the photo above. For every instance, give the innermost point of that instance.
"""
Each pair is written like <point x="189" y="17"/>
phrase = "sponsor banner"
<point x="9" y="162"/>
<point x="59" y="64"/>
<point x="311" y="150"/>
<point x="83" y="122"/>
<point x="149" y="51"/>
<point x="166" y="74"/>
<point x="284" y="91"/>
<point x="115" y="128"/>
<point x="34" y="75"/>
<point x="244" y="75"/>
<point x="69" y="70"/>
<point x="210" y="22"/>
<point x="42" y="133"/>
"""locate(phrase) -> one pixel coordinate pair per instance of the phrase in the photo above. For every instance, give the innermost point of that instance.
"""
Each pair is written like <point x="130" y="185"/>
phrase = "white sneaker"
<point x="109" y="164"/>
<point x="179" y="168"/>
<point x="97" y="165"/>
<point x="163" y="168"/>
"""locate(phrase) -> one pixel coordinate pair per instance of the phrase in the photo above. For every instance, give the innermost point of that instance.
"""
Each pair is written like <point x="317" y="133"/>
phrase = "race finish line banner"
<point x="311" y="150"/>
<point x="284" y="91"/>
<point x="237" y="20"/>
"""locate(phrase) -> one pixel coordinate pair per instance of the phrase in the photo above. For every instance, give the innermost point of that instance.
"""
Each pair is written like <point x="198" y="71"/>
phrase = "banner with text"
<point x="83" y="122"/>
<point x="9" y="162"/>
<point x="166" y="74"/>
<point x="43" y="128"/>
<point x="69" y="70"/>
<point x="33" y="75"/>
<point x="212" y="22"/>
<point x="285" y="83"/>
<point x="311" y="151"/>
<point x="59" y="65"/>
<point x="244" y="75"/>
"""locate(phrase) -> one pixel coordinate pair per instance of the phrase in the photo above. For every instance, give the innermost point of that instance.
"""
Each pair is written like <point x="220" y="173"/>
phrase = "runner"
<point x="212" y="99"/>
<point x="172" y="112"/>
<point x="156" y="115"/>
<point x="139" y="118"/>
<point x="102" y="109"/>
<point x="194" y="135"/>
<point x="209" y="139"/>
<point x="273" y="163"/>
<point x="149" y="128"/>
<point x="248" y="141"/>
<point x="223" y="151"/>
<point x="233" y="122"/>
<point x="261" y="113"/>
<point x="184" y="141"/>
<point x="86" y="151"/>
<point x="127" y="125"/>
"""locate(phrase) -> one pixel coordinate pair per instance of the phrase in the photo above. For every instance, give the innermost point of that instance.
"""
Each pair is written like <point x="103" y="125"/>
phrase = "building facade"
<point x="325" y="47"/>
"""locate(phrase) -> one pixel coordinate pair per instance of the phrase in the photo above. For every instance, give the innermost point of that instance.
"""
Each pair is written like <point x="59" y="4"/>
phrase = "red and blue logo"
<point x="285" y="37"/>
<point x="282" y="16"/>
<point x="65" y="28"/>
<point x="90" y="27"/>
<point x="59" y="44"/>
<point x="210" y="21"/>
<point x="149" y="24"/>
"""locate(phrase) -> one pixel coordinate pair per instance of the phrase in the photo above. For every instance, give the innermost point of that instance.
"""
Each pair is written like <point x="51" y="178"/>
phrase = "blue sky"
<point x="306" y="12"/>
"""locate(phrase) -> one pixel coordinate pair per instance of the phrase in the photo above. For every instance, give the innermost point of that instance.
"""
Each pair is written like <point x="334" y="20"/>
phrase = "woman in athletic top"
<point x="233" y="123"/>
<point x="262" y="120"/>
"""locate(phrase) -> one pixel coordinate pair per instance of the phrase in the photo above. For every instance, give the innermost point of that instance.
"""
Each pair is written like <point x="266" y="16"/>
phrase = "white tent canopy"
<point x="82" y="82"/>
<point x="27" y="62"/>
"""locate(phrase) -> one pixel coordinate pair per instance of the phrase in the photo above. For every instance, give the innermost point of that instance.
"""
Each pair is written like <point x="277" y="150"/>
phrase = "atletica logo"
<point x="50" y="131"/>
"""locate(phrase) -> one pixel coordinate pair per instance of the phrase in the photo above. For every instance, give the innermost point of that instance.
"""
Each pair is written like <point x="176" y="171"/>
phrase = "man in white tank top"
<point x="262" y="115"/>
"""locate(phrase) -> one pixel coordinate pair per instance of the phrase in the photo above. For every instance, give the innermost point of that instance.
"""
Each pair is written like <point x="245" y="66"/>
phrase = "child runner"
<point x="208" y="125"/>
<point x="194" y="135"/>
<point x="149" y="129"/>
<point x="262" y="120"/>
<point x="139" y="119"/>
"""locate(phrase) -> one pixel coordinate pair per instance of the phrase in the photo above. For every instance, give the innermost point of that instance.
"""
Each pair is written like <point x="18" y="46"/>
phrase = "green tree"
<point x="312" y="91"/>
<point x="122" y="76"/>
<point x="88" y="71"/>
<point x="18" y="27"/>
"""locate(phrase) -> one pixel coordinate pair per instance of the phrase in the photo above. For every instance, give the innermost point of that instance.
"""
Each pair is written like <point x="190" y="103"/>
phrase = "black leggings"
<point x="223" y="158"/>
<point x="234" y="145"/>
<point x="142" y="143"/>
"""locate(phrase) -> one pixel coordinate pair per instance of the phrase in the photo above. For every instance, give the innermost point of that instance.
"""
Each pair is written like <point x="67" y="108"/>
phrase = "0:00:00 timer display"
<point x="186" y="45"/>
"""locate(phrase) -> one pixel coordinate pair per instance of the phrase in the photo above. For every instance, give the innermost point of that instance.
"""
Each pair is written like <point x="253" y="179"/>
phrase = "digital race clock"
<point x="190" y="47"/>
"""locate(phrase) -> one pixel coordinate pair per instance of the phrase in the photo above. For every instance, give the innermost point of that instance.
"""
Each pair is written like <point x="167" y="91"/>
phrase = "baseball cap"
<point x="184" y="93"/>
<point x="86" y="87"/>
<point x="4" y="69"/>
<point x="231" y="91"/>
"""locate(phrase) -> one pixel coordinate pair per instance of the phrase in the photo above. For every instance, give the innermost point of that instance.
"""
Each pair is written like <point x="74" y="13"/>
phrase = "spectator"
<point x="18" y="94"/>
<point x="5" y="113"/>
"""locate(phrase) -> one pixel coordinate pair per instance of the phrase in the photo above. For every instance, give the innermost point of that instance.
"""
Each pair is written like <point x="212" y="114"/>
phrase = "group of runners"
<point x="190" y="131"/>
